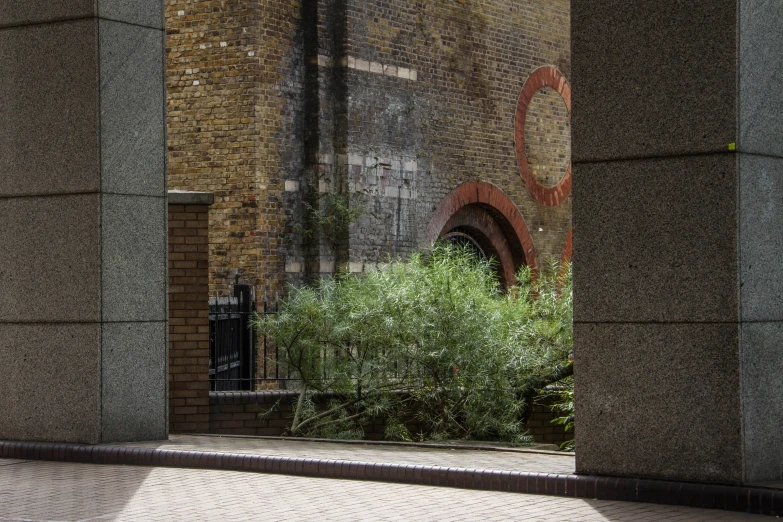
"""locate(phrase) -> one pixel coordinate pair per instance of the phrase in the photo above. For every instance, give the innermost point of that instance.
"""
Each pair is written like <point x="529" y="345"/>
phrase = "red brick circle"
<point x="507" y="232"/>
<point x="546" y="76"/>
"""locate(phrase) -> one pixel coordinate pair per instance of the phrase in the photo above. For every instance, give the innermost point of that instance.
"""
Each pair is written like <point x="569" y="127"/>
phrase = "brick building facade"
<point x="404" y="110"/>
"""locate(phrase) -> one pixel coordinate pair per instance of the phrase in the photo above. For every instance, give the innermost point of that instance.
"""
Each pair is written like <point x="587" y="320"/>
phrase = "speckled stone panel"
<point x="653" y="78"/>
<point x="659" y="401"/>
<point x="38" y="11"/>
<point x="677" y="280"/>
<point x="656" y="240"/>
<point x="48" y="117"/>
<point x="82" y="118"/>
<point x="133" y="139"/>
<point x="133" y="402"/>
<point x="134" y="258"/>
<point x="760" y="241"/>
<point x="148" y="13"/>
<point x="761" y="77"/>
<point x="50" y="259"/>
<point x="761" y="367"/>
<point x="50" y="387"/>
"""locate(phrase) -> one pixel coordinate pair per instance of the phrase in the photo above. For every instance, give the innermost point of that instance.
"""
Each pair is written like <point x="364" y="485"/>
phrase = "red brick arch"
<point x="492" y="219"/>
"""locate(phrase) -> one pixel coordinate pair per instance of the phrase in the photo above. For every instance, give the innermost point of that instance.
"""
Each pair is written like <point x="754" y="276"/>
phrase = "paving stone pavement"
<point x="533" y="462"/>
<point x="58" y="491"/>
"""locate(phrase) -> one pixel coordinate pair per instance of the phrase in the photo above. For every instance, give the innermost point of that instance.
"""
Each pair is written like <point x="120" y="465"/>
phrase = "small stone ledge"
<point x="187" y="197"/>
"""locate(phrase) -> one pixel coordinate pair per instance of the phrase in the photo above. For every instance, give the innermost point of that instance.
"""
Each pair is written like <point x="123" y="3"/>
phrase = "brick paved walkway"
<point x="56" y="491"/>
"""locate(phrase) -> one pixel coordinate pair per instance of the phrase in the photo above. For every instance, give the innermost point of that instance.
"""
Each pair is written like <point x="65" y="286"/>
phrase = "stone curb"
<point x="731" y="498"/>
<point x="382" y="443"/>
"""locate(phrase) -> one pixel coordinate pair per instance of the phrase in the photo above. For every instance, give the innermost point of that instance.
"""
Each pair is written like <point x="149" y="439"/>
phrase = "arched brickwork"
<point x="492" y="219"/>
<point x="481" y="226"/>
<point x="546" y="76"/>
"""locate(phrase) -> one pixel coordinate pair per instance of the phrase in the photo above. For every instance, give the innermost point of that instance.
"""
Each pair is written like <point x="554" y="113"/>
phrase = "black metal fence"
<point x="236" y="360"/>
<point x="231" y="340"/>
<point x="271" y="374"/>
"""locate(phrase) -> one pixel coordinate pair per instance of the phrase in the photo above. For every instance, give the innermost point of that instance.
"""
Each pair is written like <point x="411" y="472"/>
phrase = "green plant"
<point x="560" y="398"/>
<point x="565" y="406"/>
<point x="431" y="341"/>
<point x="330" y="214"/>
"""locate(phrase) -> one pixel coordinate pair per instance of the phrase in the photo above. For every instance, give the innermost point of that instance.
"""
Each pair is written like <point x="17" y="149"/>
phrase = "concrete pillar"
<point x="678" y="254"/>
<point x="82" y="221"/>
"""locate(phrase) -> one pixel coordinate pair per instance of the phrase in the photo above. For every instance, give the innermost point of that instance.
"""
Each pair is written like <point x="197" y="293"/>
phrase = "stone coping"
<point x="757" y="500"/>
<point x="187" y="197"/>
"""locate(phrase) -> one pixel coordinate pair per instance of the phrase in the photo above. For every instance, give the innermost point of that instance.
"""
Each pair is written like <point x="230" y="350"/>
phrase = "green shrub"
<point x="564" y="405"/>
<point x="431" y="341"/>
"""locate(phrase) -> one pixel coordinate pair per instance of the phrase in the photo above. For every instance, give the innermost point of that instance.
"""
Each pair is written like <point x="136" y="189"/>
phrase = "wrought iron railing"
<point x="232" y="341"/>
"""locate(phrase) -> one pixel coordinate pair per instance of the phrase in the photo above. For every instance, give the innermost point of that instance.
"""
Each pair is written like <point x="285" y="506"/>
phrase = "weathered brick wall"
<point x="471" y="60"/>
<point x="393" y="102"/>
<point x="188" y="315"/>
<point x="422" y="97"/>
<point x="234" y="123"/>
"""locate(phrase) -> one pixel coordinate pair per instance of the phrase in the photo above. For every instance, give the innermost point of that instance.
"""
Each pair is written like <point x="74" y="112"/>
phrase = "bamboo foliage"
<point x="431" y="342"/>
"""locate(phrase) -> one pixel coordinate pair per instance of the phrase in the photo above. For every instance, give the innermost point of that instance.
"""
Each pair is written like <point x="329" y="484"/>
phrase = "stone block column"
<point x="678" y="253"/>
<point x="82" y="221"/>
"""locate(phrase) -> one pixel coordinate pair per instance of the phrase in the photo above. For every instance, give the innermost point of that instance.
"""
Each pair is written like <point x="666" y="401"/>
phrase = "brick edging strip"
<point x="731" y="498"/>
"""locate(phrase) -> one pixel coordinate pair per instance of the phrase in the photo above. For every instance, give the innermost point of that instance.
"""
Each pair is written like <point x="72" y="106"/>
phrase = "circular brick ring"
<point x="546" y="76"/>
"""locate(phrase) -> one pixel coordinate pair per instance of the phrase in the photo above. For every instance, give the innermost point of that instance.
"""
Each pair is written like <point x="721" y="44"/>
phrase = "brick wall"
<point x="188" y="312"/>
<point x="392" y="102"/>
<point x="454" y="122"/>
<point x="547" y="137"/>
<point x="234" y="122"/>
<point x="540" y="426"/>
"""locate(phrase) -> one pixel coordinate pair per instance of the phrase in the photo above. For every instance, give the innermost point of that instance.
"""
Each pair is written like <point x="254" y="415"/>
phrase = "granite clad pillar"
<point x="82" y="221"/>
<point x="678" y="245"/>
